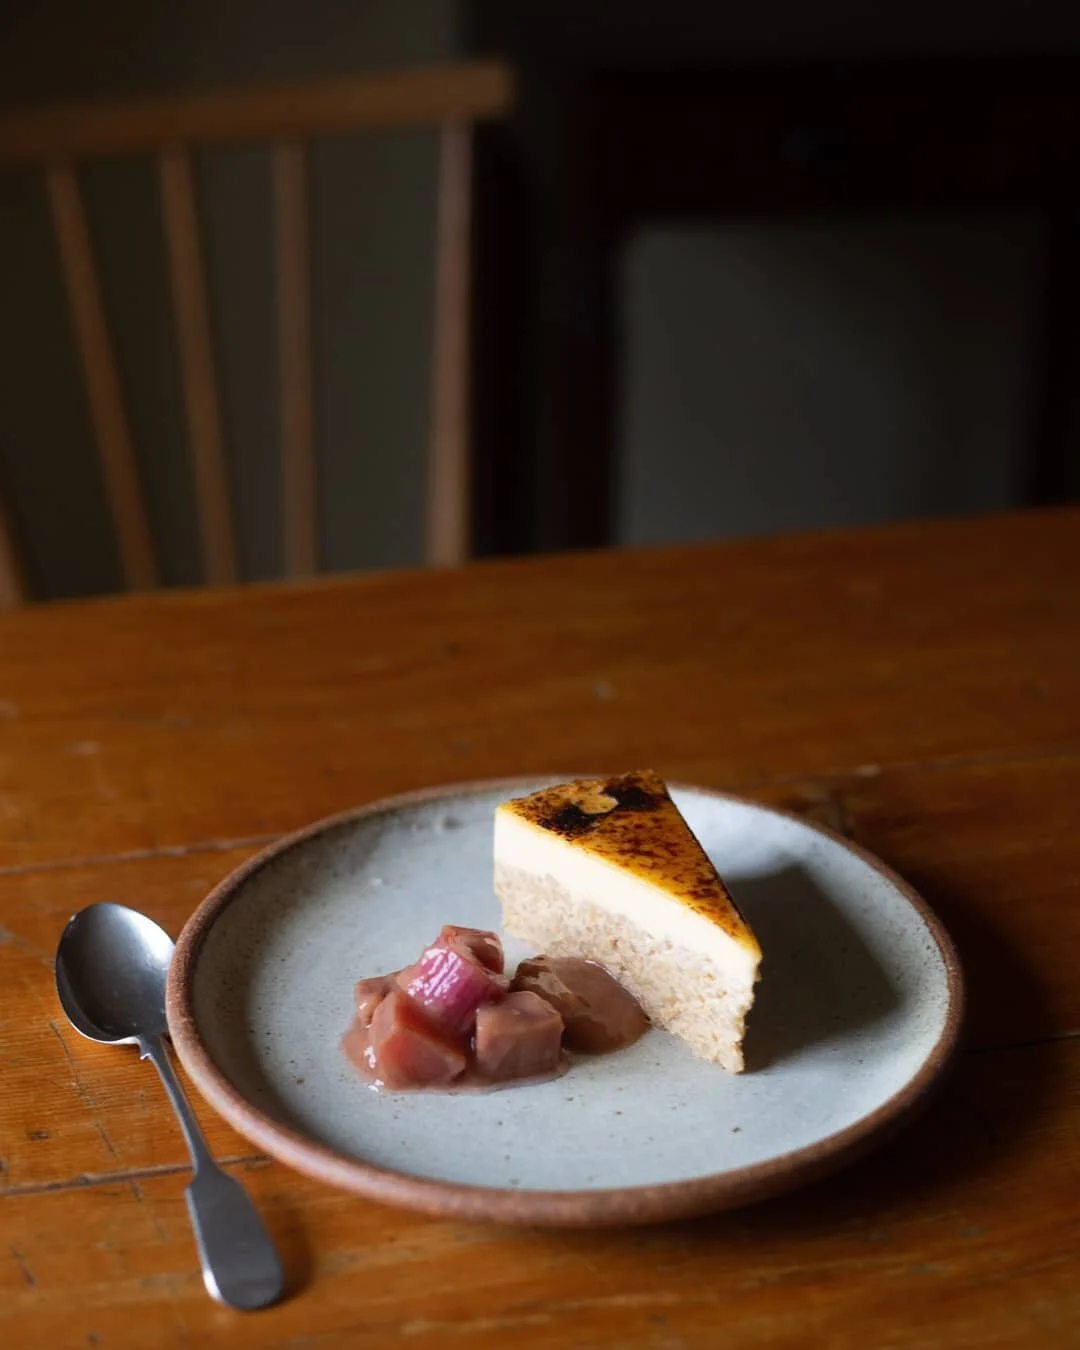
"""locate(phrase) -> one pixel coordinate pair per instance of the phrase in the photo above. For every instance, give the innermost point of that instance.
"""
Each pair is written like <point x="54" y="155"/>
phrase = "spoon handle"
<point x="239" y="1264"/>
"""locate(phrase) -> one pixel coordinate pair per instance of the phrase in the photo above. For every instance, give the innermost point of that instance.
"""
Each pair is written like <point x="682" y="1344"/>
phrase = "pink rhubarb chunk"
<point x="521" y="1037"/>
<point x="406" y="1051"/>
<point x="369" y="994"/>
<point x="479" y="943"/>
<point x="450" y="981"/>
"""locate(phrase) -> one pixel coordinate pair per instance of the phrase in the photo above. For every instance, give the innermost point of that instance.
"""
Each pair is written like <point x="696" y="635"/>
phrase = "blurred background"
<point x="735" y="270"/>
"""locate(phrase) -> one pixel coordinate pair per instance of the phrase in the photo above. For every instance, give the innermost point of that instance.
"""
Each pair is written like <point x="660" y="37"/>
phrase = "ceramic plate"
<point x="857" y="1011"/>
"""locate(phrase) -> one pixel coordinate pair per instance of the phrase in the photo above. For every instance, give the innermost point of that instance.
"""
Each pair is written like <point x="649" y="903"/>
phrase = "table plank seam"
<point x="88" y="1180"/>
<point x="139" y="855"/>
<point x="819" y="778"/>
<point x="936" y="764"/>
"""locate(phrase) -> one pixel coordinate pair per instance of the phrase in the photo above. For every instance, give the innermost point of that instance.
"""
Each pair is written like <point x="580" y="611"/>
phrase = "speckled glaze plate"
<point x="857" y="1012"/>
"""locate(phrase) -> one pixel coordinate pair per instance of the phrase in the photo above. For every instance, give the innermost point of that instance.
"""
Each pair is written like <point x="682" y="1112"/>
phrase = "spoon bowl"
<point x="111" y="968"/>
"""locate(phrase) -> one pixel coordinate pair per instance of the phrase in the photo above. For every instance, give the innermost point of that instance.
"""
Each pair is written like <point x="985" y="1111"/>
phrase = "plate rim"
<point x="709" y="1193"/>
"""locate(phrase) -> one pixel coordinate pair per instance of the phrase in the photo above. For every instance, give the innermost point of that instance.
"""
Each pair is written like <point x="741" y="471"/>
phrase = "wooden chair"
<point x="451" y="98"/>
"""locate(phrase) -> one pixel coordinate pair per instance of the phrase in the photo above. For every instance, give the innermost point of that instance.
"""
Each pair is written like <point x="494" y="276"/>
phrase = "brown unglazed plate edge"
<point x="571" y="1209"/>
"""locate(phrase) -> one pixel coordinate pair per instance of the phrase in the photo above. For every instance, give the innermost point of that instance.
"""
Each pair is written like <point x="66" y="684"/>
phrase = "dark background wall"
<point x="771" y="374"/>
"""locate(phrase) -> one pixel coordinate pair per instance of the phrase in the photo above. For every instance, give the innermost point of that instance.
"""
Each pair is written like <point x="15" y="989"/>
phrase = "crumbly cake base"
<point x="678" y="988"/>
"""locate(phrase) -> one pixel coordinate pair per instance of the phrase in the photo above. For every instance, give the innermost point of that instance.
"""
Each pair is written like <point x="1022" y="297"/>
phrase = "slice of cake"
<point x="609" y="870"/>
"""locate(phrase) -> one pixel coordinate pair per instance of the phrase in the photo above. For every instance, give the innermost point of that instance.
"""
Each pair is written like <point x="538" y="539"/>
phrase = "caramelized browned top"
<point x="632" y="822"/>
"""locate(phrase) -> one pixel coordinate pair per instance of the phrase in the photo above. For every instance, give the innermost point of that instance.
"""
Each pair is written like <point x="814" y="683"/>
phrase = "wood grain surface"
<point x="916" y="687"/>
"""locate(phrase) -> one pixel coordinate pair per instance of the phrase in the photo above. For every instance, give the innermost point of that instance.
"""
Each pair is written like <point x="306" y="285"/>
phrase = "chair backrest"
<point x="451" y="98"/>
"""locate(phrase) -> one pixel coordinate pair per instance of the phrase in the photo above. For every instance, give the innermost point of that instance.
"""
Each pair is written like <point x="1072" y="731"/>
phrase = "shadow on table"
<point x="820" y="982"/>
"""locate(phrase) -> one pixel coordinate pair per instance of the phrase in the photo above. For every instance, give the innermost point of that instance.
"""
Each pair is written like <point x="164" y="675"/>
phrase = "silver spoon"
<point x="111" y="967"/>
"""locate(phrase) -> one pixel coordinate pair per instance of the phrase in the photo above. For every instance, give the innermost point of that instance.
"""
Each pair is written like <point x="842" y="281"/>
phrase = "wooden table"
<point x="917" y="686"/>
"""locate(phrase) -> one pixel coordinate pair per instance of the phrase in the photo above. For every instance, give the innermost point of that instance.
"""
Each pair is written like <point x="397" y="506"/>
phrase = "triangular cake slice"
<point x="608" y="869"/>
